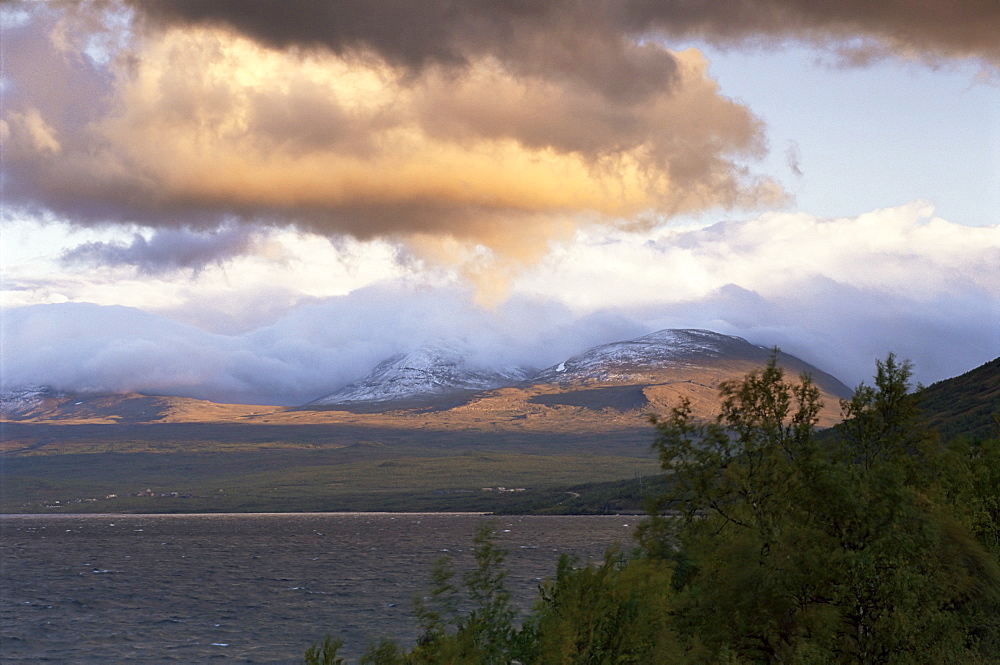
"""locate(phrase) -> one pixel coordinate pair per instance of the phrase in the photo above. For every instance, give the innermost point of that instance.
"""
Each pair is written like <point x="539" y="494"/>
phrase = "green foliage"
<point x="982" y="490"/>
<point x="881" y="421"/>
<point x="325" y="652"/>
<point x="486" y="634"/>
<point x="614" y="613"/>
<point x="965" y="405"/>
<point x="386" y="652"/>
<point x="489" y="627"/>
<point x="439" y="611"/>
<point x="860" y="552"/>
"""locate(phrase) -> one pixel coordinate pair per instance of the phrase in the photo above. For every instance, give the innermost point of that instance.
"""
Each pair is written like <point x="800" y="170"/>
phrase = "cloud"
<point x="40" y="135"/>
<point x="308" y="353"/>
<point x="901" y="251"/>
<point x="473" y="146"/>
<point x="836" y="292"/>
<point x="580" y="36"/>
<point x="544" y="143"/>
<point x="448" y="125"/>
<point x="167" y="249"/>
<point x="502" y="124"/>
<point x="860" y="31"/>
<point x="233" y="280"/>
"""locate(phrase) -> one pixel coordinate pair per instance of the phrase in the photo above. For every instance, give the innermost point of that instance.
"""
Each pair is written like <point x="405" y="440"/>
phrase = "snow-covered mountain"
<point x="437" y="374"/>
<point x="633" y="360"/>
<point x="431" y="372"/>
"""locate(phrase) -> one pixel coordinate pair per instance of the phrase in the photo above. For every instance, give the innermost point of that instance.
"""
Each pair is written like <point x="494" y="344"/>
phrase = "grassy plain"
<point x="229" y="467"/>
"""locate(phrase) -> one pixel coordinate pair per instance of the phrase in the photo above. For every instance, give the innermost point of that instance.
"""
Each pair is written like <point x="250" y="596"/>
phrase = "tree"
<point x="614" y="613"/>
<point x="797" y="552"/>
<point x="325" y="652"/>
<point x="486" y="634"/>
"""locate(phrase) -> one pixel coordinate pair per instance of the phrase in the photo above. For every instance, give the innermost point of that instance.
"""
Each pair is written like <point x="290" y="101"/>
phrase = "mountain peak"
<point x="634" y="359"/>
<point x="428" y="373"/>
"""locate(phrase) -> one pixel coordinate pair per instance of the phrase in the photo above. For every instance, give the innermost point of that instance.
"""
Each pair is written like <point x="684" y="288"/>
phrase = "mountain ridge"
<point x="440" y="385"/>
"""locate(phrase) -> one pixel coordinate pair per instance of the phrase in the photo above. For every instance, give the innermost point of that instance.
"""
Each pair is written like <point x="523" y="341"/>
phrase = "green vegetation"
<point x="965" y="405"/>
<point x="878" y="544"/>
<point x="313" y="468"/>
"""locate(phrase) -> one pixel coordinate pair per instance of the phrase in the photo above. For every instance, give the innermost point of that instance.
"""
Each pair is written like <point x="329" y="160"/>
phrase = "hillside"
<point x="965" y="405"/>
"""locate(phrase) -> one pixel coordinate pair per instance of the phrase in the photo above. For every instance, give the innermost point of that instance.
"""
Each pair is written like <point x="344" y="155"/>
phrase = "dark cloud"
<point x="908" y="28"/>
<point x="577" y="36"/>
<point x="455" y="120"/>
<point x="579" y="42"/>
<point x="168" y="249"/>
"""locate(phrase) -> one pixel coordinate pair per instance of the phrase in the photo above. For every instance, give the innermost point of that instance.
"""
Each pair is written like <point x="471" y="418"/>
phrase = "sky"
<point x="260" y="202"/>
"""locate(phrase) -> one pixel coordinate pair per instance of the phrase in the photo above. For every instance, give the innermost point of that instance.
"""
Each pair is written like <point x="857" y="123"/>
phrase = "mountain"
<point x="653" y="373"/>
<point x="432" y="375"/>
<point x="964" y="405"/>
<point x="609" y="388"/>
<point x="613" y="376"/>
<point x="644" y="359"/>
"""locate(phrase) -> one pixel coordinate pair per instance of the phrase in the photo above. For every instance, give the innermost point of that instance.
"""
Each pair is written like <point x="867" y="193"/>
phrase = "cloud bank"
<point x="503" y="124"/>
<point x="836" y="292"/>
<point x="450" y="32"/>
<point x="350" y="138"/>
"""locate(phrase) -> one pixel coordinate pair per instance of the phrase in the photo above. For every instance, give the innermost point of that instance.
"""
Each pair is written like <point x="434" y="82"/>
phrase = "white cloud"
<point x="902" y="251"/>
<point x="256" y="276"/>
<point x="306" y="315"/>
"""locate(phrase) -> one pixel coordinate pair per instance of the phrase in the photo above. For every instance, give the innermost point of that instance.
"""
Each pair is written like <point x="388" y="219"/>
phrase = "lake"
<point x="249" y="588"/>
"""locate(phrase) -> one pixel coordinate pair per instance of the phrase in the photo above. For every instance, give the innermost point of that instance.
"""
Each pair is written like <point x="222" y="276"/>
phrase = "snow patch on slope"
<point x="22" y="401"/>
<point x="432" y="370"/>
<point x="631" y="359"/>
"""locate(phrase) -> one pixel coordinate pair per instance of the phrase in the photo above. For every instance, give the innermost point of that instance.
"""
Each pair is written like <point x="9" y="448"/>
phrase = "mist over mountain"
<point x="433" y="372"/>
<point x="804" y="284"/>
<point x="613" y="385"/>
<point x="20" y="402"/>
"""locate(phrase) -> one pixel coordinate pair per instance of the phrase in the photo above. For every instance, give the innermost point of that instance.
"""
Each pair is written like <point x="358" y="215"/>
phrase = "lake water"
<point x="248" y="588"/>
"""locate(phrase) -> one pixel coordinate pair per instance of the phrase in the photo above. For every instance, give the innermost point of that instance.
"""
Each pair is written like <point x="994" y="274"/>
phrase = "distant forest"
<point x="875" y="542"/>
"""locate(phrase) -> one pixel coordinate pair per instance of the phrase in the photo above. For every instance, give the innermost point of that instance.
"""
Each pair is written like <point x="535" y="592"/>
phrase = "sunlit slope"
<point x="609" y="387"/>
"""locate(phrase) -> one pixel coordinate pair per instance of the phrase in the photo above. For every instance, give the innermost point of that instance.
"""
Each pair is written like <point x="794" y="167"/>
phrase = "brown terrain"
<point x="588" y="406"/>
